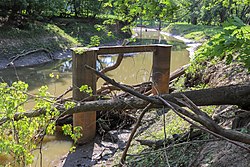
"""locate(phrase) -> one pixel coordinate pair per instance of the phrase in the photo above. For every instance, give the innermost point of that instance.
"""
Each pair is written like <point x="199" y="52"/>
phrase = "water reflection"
<point x="38" y="75"/>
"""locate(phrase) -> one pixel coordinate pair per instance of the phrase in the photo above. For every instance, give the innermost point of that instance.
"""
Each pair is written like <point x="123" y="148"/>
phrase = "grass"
<point x="83" y="31"/>
<point x="174" y="125"/>
<point x="57" y="35"/>
<point x="196" y="32"/>
<point x="179" y="155"/>
<point x="42" y="35"/>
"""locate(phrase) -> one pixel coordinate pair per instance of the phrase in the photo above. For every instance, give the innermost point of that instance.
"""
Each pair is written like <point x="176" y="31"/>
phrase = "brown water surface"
<point x="134" y="69"/>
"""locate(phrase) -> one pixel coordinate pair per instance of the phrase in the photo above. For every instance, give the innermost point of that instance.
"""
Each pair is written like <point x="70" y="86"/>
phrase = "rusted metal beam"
<point x="81" y="76"/>
<point x="161" y="70"/>
<point x="126" y="49"/>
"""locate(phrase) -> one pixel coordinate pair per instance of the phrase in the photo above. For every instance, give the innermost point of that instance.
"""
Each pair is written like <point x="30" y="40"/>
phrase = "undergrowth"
<point x="231" y="45"/>
<point x="196" y="32"/>
<point x="177" y="156"/>
<point x="180" y="154"/>
<point x="37" y="35"/>
<point x="54" y="36"/>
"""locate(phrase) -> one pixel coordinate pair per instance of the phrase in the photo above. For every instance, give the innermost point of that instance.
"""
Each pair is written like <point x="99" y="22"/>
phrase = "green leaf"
<point x="87" y="89"/>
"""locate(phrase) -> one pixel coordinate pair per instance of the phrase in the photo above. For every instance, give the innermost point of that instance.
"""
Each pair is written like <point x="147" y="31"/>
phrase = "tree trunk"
<point x="194" y="19"/>
<point x="226" y="95"/>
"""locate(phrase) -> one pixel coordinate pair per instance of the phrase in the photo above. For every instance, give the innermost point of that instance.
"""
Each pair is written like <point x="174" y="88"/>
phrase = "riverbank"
<point x="208" y="150"/>
<point x="60" y="34"/>
<point x="199" y="33"/>
<point x="107" y="153"/>
<point x="191" y="44"/>
<point x="51" y="39"/>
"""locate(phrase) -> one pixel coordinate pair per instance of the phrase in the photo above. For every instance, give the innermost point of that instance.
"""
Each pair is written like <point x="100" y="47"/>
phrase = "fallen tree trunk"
<point x="226" y="95"/>
<point x="144" y="88"/>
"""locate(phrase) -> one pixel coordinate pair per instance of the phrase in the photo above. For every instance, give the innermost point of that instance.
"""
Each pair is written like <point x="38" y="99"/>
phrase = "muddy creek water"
<point x="135" y="68"/>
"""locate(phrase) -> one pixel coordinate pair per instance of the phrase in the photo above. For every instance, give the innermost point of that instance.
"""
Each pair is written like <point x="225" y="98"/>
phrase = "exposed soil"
<point x="98" y="153"/>
<point x="56" y="36"/>
<point x="221" y="75"/>
<point x="33" y="59"/>
<point x="222" y="153"/>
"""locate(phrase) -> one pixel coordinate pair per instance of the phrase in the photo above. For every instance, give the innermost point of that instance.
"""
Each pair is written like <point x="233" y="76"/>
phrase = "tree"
<point x="212" y="11"/>
<point x="158" y="10"/>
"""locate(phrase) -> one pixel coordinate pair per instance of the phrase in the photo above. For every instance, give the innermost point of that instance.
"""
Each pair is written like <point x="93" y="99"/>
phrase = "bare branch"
<point x="118" y="61"/>
<point x="226" y="134"/>
<point x="124" y="88"/>
<point x="124" y="154"/>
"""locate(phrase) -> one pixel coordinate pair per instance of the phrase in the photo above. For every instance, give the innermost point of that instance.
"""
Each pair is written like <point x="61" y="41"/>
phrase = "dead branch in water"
<point x="118" y="61"/>
<point x="29" y="52"/>
<point x="144" y="88"/>
<point x="179" y="72"/>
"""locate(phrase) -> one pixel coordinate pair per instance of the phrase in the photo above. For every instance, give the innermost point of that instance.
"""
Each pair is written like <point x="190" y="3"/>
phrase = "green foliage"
<point x="233" y="44"/>
<point x="94" y="41"/>
<point x="19" y="138"/>
<point x="158" y="10"/>
<point x="61" y="33"/>
<point x="45" y="8"/>
<point x="69" y="104"/>
<point x="87" y="89"/>
<point x="209" y="12"/>
<point x="73" y="132"/>
<point x="127" y="11"/>
<point x="174" y="125"/>
<point x="196" y="32"/>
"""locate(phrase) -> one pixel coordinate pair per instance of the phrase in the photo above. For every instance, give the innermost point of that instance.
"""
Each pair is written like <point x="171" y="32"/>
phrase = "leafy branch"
<point x="233" y="44"/>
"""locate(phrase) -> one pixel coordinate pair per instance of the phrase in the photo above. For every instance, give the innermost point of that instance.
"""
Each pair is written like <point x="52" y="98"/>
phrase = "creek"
<point x="135" y="68"/>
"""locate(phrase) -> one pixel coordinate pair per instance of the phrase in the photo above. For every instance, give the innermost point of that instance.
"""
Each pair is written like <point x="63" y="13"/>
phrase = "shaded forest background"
<point x="208" y="12"/>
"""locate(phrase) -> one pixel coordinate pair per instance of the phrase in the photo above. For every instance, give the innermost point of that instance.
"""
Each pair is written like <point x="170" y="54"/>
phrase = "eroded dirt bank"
<point x="223" y="153"/>
<point x="33" y="59"/>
